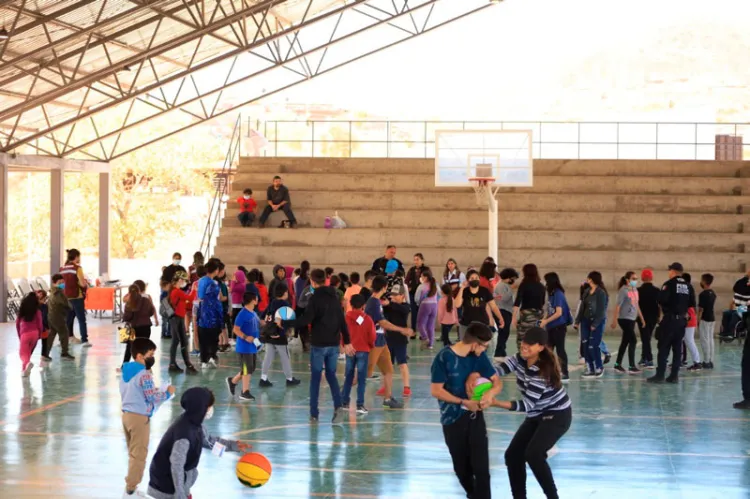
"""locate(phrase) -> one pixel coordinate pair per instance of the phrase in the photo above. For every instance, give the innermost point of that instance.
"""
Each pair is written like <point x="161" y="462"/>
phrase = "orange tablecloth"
<point x="100" y="299"/>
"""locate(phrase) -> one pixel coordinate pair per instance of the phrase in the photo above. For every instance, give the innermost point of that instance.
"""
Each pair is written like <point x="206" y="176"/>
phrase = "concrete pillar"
<point x="56" y="221"/>
<point x="104" y="202"/>
<point x="3" y="241"/>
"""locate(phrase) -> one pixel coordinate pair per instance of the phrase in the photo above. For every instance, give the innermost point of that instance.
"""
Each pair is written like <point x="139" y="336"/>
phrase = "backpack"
<point x="304" y="297"/>
<point x="165" y="308"/>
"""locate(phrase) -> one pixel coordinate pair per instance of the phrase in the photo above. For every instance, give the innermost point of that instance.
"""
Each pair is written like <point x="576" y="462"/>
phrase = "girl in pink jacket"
<point x="29" y="327"/>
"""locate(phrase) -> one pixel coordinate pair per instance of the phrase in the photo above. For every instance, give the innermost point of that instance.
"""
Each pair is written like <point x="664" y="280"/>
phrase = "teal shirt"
<point x="452" y="371"/>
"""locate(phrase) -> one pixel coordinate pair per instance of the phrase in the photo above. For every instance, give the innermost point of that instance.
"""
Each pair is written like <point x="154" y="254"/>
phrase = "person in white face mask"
<point x="247" y="208"/>
<point x="169" y="271"/>
<point x="174" y="467"/>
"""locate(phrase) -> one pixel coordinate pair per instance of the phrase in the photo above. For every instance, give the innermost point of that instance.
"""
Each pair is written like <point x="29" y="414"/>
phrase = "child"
<point x="688" y="343"/>
<point x="447" y="315"/>
<point x="279" y="277"/>
<point x="329" y="272"/>
<point x="352" y="290"/>
<point x="179" y="301"/>
<point x="464" y="428"/>
<point x="142" y="290"/>
<point x="397" y="313"/>
<point x="247" y="208"/>
<point x="57" y="316"/>
<point x="195" y="304"/>
<point x="504" y="299"/>
<point x="427" y="297"/>
<point x="255" y="276"/>
<point x="238" y="289"/>
<point x="278" y="342"/>
<point x="140" y="398"/>
<point x="174" y="467"/>
<point x="29" y="327"/>
<point x="362" y="332"/>
<point x="366" y="290"/>
<point x="246" y="330"/>
<point x="44" y="308"/>
<point x="706" y="320"/>
<point x="648" y="299"/>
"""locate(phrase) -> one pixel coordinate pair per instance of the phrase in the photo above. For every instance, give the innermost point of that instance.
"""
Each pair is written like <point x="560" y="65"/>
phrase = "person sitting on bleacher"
<point x="277" y="197"/>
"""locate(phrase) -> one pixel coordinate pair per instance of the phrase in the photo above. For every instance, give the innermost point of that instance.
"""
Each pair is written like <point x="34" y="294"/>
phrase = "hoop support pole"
<point x="492" y="211"/>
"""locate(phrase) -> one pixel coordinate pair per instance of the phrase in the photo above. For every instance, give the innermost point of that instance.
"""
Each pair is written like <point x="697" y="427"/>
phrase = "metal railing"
<point x="551" y="140"/>
<point x="218" y="203"/>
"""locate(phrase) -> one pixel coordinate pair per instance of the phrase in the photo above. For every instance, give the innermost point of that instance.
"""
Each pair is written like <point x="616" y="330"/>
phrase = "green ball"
<point x="482" y="386"/>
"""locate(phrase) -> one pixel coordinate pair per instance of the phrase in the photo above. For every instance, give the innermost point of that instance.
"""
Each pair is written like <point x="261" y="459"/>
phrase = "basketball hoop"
<point x="483" y="189"/>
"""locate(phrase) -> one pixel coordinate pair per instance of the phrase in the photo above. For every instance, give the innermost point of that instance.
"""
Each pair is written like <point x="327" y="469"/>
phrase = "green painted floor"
<point x="61" y="434"/>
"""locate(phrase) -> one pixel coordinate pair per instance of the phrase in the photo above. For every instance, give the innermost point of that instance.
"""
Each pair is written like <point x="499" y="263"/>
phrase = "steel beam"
<point x="57" y="231"/>
<point x="104" y="202"/>
<point x="4" y="276"/>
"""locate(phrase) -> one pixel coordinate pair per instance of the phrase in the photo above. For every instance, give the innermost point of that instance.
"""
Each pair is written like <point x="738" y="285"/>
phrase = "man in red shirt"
<point x="247" y="208"/>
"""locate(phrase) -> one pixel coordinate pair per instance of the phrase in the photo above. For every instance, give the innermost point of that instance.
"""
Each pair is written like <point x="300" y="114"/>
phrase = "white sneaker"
<point x="212" y="364"/>
<point x="74" y="339"/>
<point x="86" y="344"/>
<point x="27" y="371"/>
<point x="204" y="366"/>
<point x="136" y="493"/>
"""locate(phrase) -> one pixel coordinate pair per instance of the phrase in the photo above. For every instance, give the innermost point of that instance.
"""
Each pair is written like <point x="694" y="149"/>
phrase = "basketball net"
<point x="484" y="189"/>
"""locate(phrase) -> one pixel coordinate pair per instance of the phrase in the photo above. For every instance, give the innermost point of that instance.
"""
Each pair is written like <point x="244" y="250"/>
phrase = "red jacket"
<point x="179" y="300"/>
<point x="247" y="205"/>
<point x="362" y="332"/>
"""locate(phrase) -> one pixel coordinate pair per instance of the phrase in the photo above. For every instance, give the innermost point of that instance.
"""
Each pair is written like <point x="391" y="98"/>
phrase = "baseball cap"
<point x="676" y="266"/>
<point x="647" y="275"/>
<point x="536" y="336"/>
<point x="398" y="289"/>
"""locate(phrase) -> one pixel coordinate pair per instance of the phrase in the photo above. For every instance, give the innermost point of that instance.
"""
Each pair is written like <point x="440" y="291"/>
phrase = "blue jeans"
<point x="591" y="338"/>
<point x="360" y="362"/>
<point x="78" y="311"/>
<point x="320" y="358"/>
<point x="164" y="320"/>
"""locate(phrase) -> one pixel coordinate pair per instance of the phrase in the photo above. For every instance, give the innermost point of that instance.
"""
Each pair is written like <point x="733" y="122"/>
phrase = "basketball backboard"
<point x="504" y="155"/>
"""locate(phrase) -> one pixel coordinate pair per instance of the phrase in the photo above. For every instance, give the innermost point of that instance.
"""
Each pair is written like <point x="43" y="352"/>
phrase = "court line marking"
<point x="45" y="408"/>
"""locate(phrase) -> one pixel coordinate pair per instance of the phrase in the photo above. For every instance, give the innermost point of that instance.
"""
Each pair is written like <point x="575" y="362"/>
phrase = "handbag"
<point x="126" y="333"/>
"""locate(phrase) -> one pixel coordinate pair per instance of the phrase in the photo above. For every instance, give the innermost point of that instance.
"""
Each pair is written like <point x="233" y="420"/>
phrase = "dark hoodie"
<point x="173" y="469"/>
<point x="275" y="281"/>
<point x="325" y="314"/>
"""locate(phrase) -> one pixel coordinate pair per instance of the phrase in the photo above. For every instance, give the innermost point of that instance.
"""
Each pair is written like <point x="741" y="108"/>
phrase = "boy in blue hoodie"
<point x="140" y="398"/>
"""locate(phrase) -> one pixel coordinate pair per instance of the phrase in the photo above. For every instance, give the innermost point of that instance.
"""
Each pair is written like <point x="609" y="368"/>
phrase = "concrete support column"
<point x="57" y="242"/>
<point x="104" y="202"/>
<point x="3" y="241"/>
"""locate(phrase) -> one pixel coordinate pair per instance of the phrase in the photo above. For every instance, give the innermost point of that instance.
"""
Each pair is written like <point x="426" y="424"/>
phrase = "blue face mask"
<point x="312" y="290"/>
<point x="61" y="285"/>
<point x="634" y="283"/>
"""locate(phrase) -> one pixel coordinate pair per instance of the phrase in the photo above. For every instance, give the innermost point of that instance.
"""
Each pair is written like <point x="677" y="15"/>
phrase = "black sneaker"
<point x="345" y="407"/>
<point x="231" y="386"/>
<point x="634" y="370"/>
<point x="745" y="404"/>
<point x="672" y="379"/>
<point x="264" y="383"/>
<point x="174" y="368"/>
<point x="620" y="369"/>
<point x="710" y="365"/>
<point x="293" y="382"/>
<point x="362" y="410"/>
<point x="607" y="358"/>
<point x="392" y="403"/>
<point x="246" y="396"/>
<point x="191" y="369"/>
<point x="656" y="379"/>
<point x="67" y="356"/>
<point x="695" y="367"/>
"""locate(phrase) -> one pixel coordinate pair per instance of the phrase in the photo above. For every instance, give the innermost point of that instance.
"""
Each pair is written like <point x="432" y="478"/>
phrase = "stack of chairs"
<point x="18" y="288"/>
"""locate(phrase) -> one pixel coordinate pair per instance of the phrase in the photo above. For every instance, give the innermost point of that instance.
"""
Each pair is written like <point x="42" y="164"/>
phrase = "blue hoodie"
<point x="139" y="395"/>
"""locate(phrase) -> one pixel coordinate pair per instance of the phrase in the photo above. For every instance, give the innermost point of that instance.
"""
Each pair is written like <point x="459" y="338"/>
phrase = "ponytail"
<point x="623" y="282"/>
<point x="448" y="293"/>
<point x="433" y="284"/>
<point x="549" y="368"/>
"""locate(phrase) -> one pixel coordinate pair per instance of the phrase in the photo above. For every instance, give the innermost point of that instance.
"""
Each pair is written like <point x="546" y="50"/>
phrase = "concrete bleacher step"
<point x="509" y="220"/>
<point x="358" y="256"/>
<point x="569" y="185"/>
<point x="464" y="199"/>
<point x="623" y="168"/>
<point x="429" y="239"/>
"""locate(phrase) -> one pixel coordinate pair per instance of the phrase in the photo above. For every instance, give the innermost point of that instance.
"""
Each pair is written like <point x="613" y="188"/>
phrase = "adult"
<point x="412" y="281"/>
<point x="528" y="309"/>
<point x="452" y="274"/>
<point x="390" y="254"/>
<point x="75" y="292"/>
<point x="328" y="330"/>
<point x="740" y="303"/>
<point x="171" y="269"/>
<point x="592" y="316"/>
<point x="648" y="299"/>
<point x="478" y="306"/>
<point x="674" y="299"/>
<point x="138" y="312"/>
<point x="277" y="197"/>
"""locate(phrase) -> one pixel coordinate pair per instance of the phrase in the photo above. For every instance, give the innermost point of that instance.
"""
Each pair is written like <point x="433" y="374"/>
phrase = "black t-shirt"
<point x="742" y="291"/>
<point x="648" y="300"/>
<point x="367" y="293"/>
<point x="530" y="296"/>
<point x="706" y="301"/>
<point x="475" y="306"/>
<point x="398" y="315"/>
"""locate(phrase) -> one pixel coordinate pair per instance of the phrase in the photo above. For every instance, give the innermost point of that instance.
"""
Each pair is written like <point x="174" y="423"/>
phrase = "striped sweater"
<point x="538" y="396"/>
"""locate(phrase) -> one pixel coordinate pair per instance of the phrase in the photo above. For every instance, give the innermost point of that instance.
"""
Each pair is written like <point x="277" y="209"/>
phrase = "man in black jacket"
<point x="390" y="254"/>
<point x="325" y="315"/>
<point x="277" y="198"/>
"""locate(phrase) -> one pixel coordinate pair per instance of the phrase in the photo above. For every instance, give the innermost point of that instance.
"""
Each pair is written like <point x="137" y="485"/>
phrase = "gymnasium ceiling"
<point x="81" y="78"/>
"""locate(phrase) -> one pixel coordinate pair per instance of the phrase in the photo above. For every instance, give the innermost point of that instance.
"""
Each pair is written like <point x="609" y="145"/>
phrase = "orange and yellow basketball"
<point x="253" y="470"/>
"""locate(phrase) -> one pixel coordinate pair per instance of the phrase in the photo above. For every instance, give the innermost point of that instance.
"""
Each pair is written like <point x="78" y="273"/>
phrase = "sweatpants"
<point x="534" y="438"/>
<point x="469" y="449"/>
<point x="179" y="337"/>
<point x="140" y="332"/>
<point x="426" y="317"/>
<point x="628" y="341"/>
<point x="706" y="334"/>
<point x="137" y="431"/>
<point x="27" y="342"/>
<point x="209" y="338"/>
<point x="271" y="351"/>
<point x="61" y="330"/>
<point x="556" y="336"/>
<point x="690" y="344"/>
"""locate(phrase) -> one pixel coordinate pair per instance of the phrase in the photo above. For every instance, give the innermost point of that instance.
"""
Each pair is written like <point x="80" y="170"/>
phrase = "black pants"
<point x="287" y="209"/>
<point x="414" y="311"/>
<point x="303" y="332"/>
<point x="469" y="448"/>
<point x="669" y="337"/>
<point x="209" y="339"/>
<point x="179" y="337"/>
<point x="746" y="365"/>
<point x="557" y="343"/>
<point x="628" y="341"/>
<point x="647" y="330"/>
<point x="533" y="439"/>
<point x="140" y="332"/>
<point x="246" y="218"/>
<point x="445" y="333"/>
<point x="503" y="333"/>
